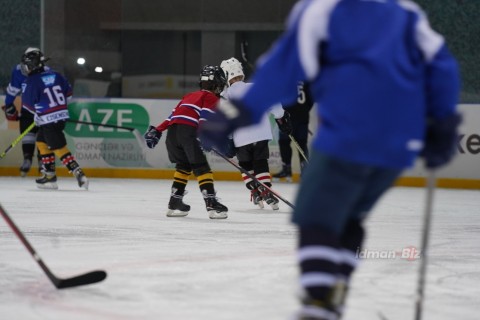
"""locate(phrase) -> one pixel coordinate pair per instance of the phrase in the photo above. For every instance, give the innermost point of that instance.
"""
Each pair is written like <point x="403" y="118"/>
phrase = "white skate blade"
<point x="174" y="213"/>
<point x="217" y="215"/>
<point x="48" y="186"/>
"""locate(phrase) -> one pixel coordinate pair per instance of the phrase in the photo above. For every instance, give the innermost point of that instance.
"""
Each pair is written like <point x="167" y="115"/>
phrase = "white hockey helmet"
<point x="232" y="68"/>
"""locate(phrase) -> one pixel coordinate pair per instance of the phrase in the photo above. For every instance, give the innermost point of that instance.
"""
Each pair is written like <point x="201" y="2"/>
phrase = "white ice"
<point x="240" y="268"/>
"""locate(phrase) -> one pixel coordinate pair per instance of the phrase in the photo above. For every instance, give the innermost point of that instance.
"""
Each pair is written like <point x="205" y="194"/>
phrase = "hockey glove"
<point x="440" y="141"/>
<point x="230" y="151"/>
<point x="11" y="112"/>
<point x="228" y="116"/>
<point x="152" y="136"/>
<point x="285" y="124"/>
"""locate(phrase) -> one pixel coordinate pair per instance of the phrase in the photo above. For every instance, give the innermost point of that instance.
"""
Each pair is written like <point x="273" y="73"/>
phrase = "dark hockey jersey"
<point x="45" y="95"/>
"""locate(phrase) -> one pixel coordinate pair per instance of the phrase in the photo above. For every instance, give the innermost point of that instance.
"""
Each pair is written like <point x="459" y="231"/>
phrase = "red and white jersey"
<point x="191" y="109"/>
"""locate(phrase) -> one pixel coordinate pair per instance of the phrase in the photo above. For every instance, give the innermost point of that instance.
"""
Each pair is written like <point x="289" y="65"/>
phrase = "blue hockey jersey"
<point x="376" y="69"/>
<point x="45" y="95"/>
<point x="14" y="88"/>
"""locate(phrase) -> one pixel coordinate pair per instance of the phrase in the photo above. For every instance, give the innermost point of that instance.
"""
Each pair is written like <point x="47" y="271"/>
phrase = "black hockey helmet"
<point x="33" y="61"/>
<point x="212" y="78"/>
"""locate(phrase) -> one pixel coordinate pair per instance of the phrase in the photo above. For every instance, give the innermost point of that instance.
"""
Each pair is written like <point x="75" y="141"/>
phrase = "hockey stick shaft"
<point x="101" y="124"/>
<point x="243" y="50"/>
<point x="431" y="181"/>
<point x="251" y="176"/>
<point x="134" y="131"/>
<point x="300" y="150"/>
<point x="88" y="278"/>
<point x="17" y="140"/>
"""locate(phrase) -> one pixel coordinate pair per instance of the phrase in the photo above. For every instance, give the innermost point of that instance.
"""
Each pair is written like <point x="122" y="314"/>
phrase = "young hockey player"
<point x="24" y="117"/>
<point x="251" y="143"/>
<point x="184" y="148"/>
<point x="387" y="90"/>
<point x="44" y="94"/>
<point x="300" y="117"/>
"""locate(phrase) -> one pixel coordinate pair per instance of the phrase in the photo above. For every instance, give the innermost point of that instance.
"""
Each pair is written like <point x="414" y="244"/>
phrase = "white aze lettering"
<point x="107" y="115"/>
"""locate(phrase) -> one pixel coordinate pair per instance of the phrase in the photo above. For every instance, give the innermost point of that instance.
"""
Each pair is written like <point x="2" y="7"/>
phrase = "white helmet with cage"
<point x="232" y="68"/>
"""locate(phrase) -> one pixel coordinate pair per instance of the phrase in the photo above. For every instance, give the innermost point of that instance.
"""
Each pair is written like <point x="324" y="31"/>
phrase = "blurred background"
<point x="155" y="49"/>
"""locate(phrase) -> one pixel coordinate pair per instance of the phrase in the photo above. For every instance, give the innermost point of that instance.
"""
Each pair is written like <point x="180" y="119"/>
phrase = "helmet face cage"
<point x="32" y="60"/>
<point x="232" y="68"/>
<point x="212" y="78"/>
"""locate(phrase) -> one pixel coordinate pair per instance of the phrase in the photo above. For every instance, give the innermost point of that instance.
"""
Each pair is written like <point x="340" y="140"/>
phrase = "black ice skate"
<point x="47" y="181"/>
<point x="176" y="207"/>
<point x="286" y="173"/>
<point x="269" y="198"/>
<point x="25" y="167"/>
<point x="81" y="178"/>
<point x="215" y="209"/>
<point x="256" y="198"/>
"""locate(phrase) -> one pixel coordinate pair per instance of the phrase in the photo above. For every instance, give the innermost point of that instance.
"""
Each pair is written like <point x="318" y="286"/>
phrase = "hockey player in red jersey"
<point x="184" y="148"/>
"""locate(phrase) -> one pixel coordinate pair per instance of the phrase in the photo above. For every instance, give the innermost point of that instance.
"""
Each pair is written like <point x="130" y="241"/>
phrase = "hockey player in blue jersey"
<point x="387" y="89"/>
<point x="24" y="117"/>
<point x="45" y="94"/>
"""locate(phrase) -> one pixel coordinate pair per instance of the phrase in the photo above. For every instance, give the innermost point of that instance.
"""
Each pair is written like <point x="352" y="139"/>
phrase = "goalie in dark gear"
<point x="184" y="148"/>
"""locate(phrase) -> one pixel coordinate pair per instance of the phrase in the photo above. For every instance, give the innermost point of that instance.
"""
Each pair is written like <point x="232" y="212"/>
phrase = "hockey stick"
<point x="251" y="176"/>
<point x="134" y="131"/>
<point x="431" y="181"/>
<point x="298" y="148"/>
<point x="17" y="140"/>
<point x="244" y="44"/>
<point x="84" y="279"/>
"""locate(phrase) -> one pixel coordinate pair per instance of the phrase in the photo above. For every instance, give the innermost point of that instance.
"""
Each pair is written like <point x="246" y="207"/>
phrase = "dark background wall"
<point x="152" y="37"/>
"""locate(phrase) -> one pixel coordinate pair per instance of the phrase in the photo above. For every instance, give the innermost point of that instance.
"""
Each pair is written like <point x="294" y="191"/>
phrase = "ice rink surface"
<point x="242" y="268"/>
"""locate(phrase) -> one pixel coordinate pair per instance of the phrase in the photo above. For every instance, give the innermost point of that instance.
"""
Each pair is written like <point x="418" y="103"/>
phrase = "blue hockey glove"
<point x="440" y="141"/>
<point x="152" y="136"/>
<point x="231" y="150"/>
<point x="11" y="112"/>
<point x="228" y="116"/>
<point x="285" y="124"/>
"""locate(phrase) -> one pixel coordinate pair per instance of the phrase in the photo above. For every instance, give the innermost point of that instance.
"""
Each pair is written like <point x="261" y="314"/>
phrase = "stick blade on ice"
<point x="81" y="280"/>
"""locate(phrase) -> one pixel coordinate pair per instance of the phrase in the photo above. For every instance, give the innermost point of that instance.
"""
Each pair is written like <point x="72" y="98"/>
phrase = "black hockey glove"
<point x="230" y="150"/>
<point x="152" y="136"/>
<point x="11" y="112"/>
<point x="285" y="124"/>
<point x="440" y="141"/>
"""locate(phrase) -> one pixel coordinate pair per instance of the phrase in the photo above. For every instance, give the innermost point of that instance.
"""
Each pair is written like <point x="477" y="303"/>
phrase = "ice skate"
<point x="269" y="198"/>
<point x="25" y="167"/>
<point x="81" y="178"/>
<point x="47" y="181"/>
<point x="215" y="209"/>
<point x="285" y="174"/>
<point x="176" y="206"/>
<point x="256" y="198"/>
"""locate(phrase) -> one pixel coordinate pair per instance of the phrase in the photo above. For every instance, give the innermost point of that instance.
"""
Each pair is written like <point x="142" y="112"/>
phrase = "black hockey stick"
<point x="17" y="140"/>
<point x="81" y="280"/>
<point x="431" y="181"/>
<point x="243" y="50"/>
<point x="251" y="176"/>
<point x="134" y="131"/>
<point x="101" y="124"/>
